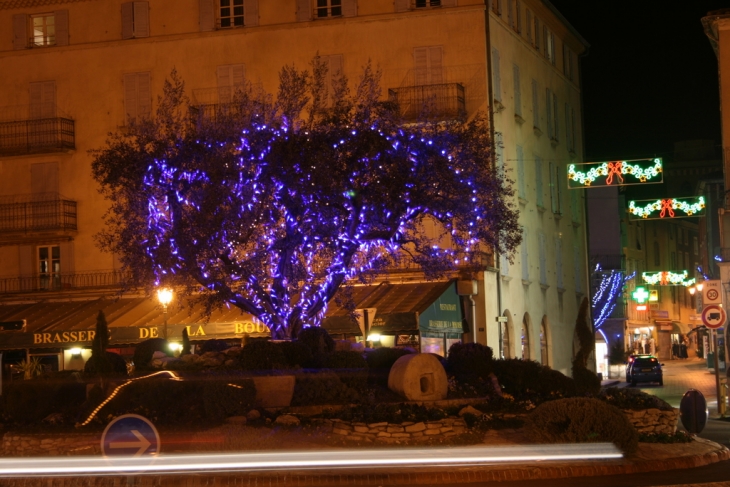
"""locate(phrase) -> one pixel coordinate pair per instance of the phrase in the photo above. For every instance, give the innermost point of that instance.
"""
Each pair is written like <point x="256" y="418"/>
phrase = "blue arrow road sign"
<point x="130" y="435"/>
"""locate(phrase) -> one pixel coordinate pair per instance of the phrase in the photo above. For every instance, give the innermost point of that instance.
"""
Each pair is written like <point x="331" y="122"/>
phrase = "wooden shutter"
<point x="304" y="10"/>
<point x="20" y="31"/>
<point x="144" y="95"/>
<point x="44" y="178"/>
<point x="206" y="15"/>
<point x="518" y="91"/>
<point x="556" y="117"/>
<point x="238" y="74"/>
<point x="61" y="19"/>
<point x="535" y="106"/>
<point x="130" y="97"/>
<point x="67" y="257"/>
<point x="521" y="189"/>
<point x="448" y="3"/>
<point x="250" y="13"/>
<point x="25" y="260"/>
<point x="43" y="99"/>
<point x="349" y="8"/>
<point x="141" y="19"/>
<point x="420" y="57"/>
<point x="402" y="5"/>
<point x="496" y="77"/>
<point x="549" y="111"/>
<point x="436" y="64"/>
<point x="539" y="198"/>
<point x="127" y="20"/>
<point x="528" y="24"/>
<point x="523" y="256"/>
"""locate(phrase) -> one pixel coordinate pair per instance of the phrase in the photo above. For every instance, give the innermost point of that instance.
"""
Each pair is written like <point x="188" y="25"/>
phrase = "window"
<point x="523" y="256"/>
<point x="555" y="196"/>
<point x="227" y="14"/>
<point x="535" y="106"/>
<point x="137" y="96"/>
<point x="510" y="14"/>
<point x="428" y="3"/>
<point x="329" y="8"/>
<point x="695" y="246"/>
<point x="538" y="182"/>
<point x="135" y="20"/>
<point x="429" y="65"/>
<point x="536" y="31"/>
<point x="496" y="77"/>
<point x="543" y="258"/>
<point x="518" y="91"/>
<point x="570" y="127"/>
<point x="549" y="45"/>
<point x="551" y="105"/>
<point x="518" y="17"/>
<point x="42" y="100"/>
<point x="568" y="60"/>
<point x="230" y="77"/>
<point x="44" y="30"/>
<point x="230" y="13"/>
<point x="40" y="30"/>
<point x="528" y="25"/>
<point x="521" y="190"/>
<point x="49" y="267"/>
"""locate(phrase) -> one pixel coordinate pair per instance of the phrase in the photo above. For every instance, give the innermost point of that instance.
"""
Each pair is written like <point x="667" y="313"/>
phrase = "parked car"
<point x="644" y="368"/>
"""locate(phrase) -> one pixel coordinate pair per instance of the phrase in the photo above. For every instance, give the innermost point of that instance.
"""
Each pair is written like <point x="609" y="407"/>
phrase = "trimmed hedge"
<point x="351" y="367"/>
<point x="297" y="354"/>
<point x="113" y="365"/>
<point x="322" y="387"/>
<point x="262" y="355"/>
<point x="320" y="343"/>
<point x="530" y="380"/>
<point x="380" y="361"/>
<point x="144" y="351"/>
<point x="586" y="382"/>
<point x="581" y="420"/>
<point x="625" y="398"/>
<point x="470" y="359"/>
<point x="30" y="401"/>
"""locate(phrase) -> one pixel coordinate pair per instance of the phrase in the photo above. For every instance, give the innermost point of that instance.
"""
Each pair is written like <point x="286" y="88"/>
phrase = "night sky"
<point x="650" y="76"/>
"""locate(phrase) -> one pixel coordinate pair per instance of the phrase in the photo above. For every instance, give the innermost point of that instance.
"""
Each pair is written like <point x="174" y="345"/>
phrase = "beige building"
<point x="74" y="70"/>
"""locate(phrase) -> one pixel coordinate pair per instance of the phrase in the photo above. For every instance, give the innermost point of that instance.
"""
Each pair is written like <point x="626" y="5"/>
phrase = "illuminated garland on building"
<point x="667" y="208"/>
<point x="605" y="297"/>
<point x="667" y="278"/>
<point x="615" y="173"/>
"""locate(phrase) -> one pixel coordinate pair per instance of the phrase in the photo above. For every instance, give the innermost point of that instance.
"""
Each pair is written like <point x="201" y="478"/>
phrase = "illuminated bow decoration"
<point x="614" y="168"/>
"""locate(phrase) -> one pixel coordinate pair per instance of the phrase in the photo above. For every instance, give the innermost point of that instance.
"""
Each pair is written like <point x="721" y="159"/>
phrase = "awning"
<point x="62" y="324"/>
<point x="431" y="307"/>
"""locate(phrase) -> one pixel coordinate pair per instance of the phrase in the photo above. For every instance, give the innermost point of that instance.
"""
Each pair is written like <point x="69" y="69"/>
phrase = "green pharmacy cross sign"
<point x="640" y="295"/>
<point x="615" y="173"/>
<point x="667" y="208"/>
<point x="667" y="278"/>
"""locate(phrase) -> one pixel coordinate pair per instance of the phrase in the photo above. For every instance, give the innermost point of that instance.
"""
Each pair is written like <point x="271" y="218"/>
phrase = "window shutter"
<point x="538" y="183"/>
<point x="206" y="15"/>
<point x="349" y="8"/>
<point x="402" y="5"/>
<point x="556" y="117"/>
<point x="67" y="257"/>
<point x="436" y="68"/>
<point x="518" y="92"/>
<point x="43" y="99"/>
<point x="497" y="88"/>
<point x="127" y="20"/>
<point x="25" y="260"/>
<point x="528" y="25"/>
<point x="543" y="258"/>
<point x="549" y="112"/>
<point x="521" y="190"/>
<point x="144" y="95"/>
<point x="141" y="19"/>
<point x="448" y="3"/>
<point x="535" y="106"/>
<point x="20" y="31"/>
<point x="130" y="97"/>
<point x="524" y="257"/>
<point x="225" y="94"/>
<point x="61" y="19"/>
<point x="238" y="74"/>
<point x="304" y="10"/>
<point x="420" y="56"/>
<point x="250" y="13"/>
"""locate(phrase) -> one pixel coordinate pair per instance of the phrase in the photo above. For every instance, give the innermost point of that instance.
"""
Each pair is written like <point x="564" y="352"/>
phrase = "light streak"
<point x="276" y="460"/>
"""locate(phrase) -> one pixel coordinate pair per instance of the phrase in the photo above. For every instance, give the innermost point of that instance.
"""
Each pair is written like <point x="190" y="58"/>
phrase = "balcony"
<point x="62" y="282"/>
<point x="23" y="218"/>
<point x="440" y="101"/>
<point x="38" y="136"/>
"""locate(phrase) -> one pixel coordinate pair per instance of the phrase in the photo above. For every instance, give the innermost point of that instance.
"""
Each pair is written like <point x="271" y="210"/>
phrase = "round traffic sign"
<point x="713" y="316"/>
<point x="130" y="435"/>
<point x="712" y="294"/>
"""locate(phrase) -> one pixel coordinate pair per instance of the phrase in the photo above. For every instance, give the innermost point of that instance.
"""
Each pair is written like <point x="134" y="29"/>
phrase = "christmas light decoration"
<point x="668" y="278"/>
<point x="640" y="295"/>
<point x="605" y="296"/>
<point x="615" y="173"/>
<point x="667" y="208"/>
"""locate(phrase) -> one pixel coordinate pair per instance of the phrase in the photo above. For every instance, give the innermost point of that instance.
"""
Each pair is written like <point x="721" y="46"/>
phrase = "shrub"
<point x="586" y="382"/>
<point x="262" y="355"/>
<point x="581" y="420"/>
<point x="624" y="398"/>
<point x="297" y="354"/>
<point x="213" y="345"/>
<point x="222" y="399"/>
<point x="144" y="351"/>
<point x="321" y="387"/>
<point x="380" y="361"/>
<point x="319" y="342"/>
<point x="351" y="367"/>
<point x="29" y="402"/>
<point x="470" y="359"/>
<point x="529" y="380"/>
<point x="113" y="365"/>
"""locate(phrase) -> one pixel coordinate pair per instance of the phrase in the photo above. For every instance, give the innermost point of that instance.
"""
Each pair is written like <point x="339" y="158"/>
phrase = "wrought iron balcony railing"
<point x="43" y="135"/>
<point x="39" y="213"/>
<point x="441" y="101"/>
<point x="62" y="282"/>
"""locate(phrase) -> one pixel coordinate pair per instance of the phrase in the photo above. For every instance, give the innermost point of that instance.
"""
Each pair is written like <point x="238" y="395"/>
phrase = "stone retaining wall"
<point x="395" y="432"/>
<point x="654" y="420"/>
<point x="50" y="445"/>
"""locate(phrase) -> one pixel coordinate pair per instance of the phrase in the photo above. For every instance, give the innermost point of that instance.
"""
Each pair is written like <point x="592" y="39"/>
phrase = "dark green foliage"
<point x="262" y="355"/>
<point x="213" y="345"/>
<point x="143" y="352"/>
<point x="320" y="343"/>
<point x="185" y="342"/>
<point x="222" y="399"/>
<point x="351" y="367"/>
<point x="617" y="355"/>
<point x="389" y="412"/>
<point x="529" y="380"/>
<point x="470" y="359"/>
<point x="584" y="334"/>
<point x="297" y="354"/>
<point x="101" y="338"/>
<point x="677" y="437"/>
<point x="581" y="420"/>
<point x="586" y="382"/>
<point x="625" y="398"/>
<point x="29" y="402"/>
<point x="100" y="364"/>
<point x="322" y="387"/>
<point x="113" y="365"/>
<point x="380" y="361"/>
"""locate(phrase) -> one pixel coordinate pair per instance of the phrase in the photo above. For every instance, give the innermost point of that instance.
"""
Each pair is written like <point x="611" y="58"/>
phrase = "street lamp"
<point x="692" y="290"/>
<point x="699" y="286"/>
<point x="164" y="295"/>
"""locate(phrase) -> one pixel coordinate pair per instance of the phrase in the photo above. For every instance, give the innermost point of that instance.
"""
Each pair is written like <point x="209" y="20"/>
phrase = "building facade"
<point x="75" y="70"/>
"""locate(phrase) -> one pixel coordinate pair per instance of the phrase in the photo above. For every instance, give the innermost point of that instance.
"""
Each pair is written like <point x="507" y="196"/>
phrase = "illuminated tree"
<point x="271" y="205"/>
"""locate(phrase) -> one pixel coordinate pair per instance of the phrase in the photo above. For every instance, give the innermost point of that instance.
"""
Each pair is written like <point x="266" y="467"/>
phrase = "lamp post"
<point x="164" y="295"/>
